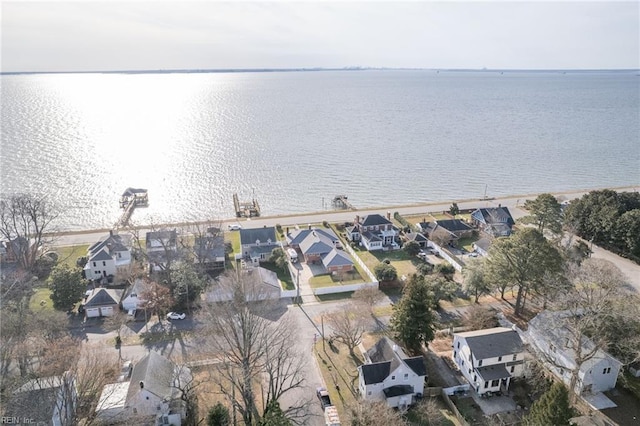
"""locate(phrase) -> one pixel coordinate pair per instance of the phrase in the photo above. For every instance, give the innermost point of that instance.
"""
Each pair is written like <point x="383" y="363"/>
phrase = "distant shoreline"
<point x="561" y="195"/>
<point x="320" y="69"/>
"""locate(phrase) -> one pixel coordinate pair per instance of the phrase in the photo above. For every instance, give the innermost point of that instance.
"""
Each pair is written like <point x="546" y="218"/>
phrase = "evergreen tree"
<point x="385" y="272"/>
<point x="67" y="287"/>
<point x="551" y="409"/>
<point x="412" y="248"/>
<point x="545" y="212"/>
<point x="273" y="415"/>
<point x="412" y="319"/>
<point x="218" y="416"/>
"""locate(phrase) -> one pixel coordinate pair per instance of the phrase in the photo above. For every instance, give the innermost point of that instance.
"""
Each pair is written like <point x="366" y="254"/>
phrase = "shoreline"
<point x="393" y="208"/>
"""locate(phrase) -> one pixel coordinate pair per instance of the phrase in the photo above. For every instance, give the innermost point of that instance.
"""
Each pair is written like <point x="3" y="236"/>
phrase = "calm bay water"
<point x="296" y="139"/>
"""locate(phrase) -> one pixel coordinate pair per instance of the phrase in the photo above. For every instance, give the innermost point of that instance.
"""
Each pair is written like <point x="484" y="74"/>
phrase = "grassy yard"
<point x="339" y="369"/>
<point x="466" y="242"/>
<point x="234" y="237"/>
<point x="68" y="255"/>
<point x="283" y="276"/>
<point x="329" y="280"/>
<point x="404" y="264"/>
<point x="41" y="295"/>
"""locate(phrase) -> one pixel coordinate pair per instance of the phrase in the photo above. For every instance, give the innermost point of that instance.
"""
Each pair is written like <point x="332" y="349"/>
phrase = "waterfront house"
<point x="152" y="395"/>
<point x="489" y="358"/>
<point x="495" y="221"/>
<point x="258" y="243"/>
<point x="374" y="232"/>
<point x="320" y="246"/>
<point x="550" y="336"/>
<point x="445" y="231"/>
<point x="210" y="252"/>
<point x="107" y="257"/>
<point x="162" y="249"/>
<point x="389" y="375"/>
<point x="102" y="302"/>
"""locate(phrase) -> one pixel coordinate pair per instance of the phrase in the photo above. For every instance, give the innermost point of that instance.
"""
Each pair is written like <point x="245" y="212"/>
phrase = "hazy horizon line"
<point x="316" y="69"/>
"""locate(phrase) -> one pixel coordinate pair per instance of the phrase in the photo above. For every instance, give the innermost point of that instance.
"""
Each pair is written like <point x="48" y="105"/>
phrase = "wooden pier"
<point x="246" y="209"/>
<point x="342" y="202"/>
<point x="130" y="199"/>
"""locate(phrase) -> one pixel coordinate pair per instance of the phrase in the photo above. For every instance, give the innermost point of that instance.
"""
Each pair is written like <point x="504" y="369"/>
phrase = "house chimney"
<point x="309" y="226"/>
<point x="141" y="384"/>
<point x="357" y="219"/>
<point x="388" y="215"/>
<point x="111" y="232"/>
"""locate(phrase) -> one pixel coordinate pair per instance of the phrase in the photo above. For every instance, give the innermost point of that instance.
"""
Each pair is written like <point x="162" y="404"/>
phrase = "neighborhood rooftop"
<point x="493" y="342"/>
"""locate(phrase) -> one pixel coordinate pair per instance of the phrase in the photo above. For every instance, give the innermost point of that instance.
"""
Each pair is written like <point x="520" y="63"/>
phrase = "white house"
<point x="389" y="375"/>
<point x="549" y="335"/>
<point x="489" y="358"/>
<point x="152" y="395"/>
<point x="108" y="256"/>
<point x="132" y="298"/>
<point x="374" y="232"/>
<point x="258" y="243"/>
<point x="259" y="284"/>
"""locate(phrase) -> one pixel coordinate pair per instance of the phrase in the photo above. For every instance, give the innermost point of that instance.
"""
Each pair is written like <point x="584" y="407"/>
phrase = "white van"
<point x="293" y="255"/>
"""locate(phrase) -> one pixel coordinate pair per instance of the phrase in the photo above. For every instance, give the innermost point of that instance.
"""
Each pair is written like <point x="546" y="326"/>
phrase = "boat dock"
<point x="130" y="199"/>
<point x="246" y="209"/>
<point x="342" y="202"/>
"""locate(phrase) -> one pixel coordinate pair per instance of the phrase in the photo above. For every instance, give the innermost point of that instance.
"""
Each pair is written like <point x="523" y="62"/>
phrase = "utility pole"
<point x="322" y="324"/>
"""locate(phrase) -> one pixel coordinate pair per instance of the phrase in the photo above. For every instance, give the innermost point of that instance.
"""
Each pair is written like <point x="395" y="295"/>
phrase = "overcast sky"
<point x="93" y="36"/>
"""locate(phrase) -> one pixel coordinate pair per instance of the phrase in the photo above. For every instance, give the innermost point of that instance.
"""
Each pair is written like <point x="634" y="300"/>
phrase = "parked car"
<point x="323" y="396"/>
<point x="175" y="316"/>
<point x="235" y="227"/>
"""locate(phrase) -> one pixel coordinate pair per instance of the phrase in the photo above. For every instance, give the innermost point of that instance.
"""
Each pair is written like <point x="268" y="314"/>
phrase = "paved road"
<point x="90" y="237"/>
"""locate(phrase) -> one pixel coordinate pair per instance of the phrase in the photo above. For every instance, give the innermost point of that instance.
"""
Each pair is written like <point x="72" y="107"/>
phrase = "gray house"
<point x="495" y="221"/>
<point x="258" y="243"/>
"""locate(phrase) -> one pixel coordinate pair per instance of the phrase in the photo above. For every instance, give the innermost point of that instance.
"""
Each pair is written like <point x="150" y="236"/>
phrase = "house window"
<point x="486" y="385"/>
<point x="455" y="353"/>
<point x="369" y="393"/>
<point x="499" y="358"/>
<point x="158" y="407"/>
<point x="135" y="410"/>
<point x="480" y="363"/>
<point x="463" y="362"/>
<point x="119" y="255"/>
<point x="474" y="378"/>
<point x="513" y="367"/>
<point x="515" y="356"/>
<point x="165" y="420"/>
<point x="606" y="370"/>
<point x="94" y="264"/>
<point x="406" y="376"/>
<point x="469" y="357"/>
<point x="469" y="371"/>
<point x="458" y="342"/>
<point x="495" y="383"/>
<point x="393" y="377"/>
<point x="104" y="263"/>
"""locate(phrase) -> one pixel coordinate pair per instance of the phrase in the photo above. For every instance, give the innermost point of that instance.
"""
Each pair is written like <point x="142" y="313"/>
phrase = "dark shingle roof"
<point x="156" y="372"/>
<point x="398" y="390"/>
<point x="375" y="373"/>
<point x="493" y="372"/>
<point x="264" y="235"/>
<point x="493" y="342"/>
<point x="454" y="225"/>
<point x="209" y="248"/>
<point x="374" y="219"/>
<point x="417" y="365"/>
<point x="493" y="215"/>
<point x="370" y="236"/>
<point x="103" y="296"/>
<point x="414" y="236"/>
<point x="101" y="255"/>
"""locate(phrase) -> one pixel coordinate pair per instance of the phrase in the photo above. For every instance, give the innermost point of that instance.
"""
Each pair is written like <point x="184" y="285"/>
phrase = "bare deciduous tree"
<point x="259" y="361"/>
<point x="597" y="297"/>
<point x="348" y="325"/>
<point x="26" y="221"/>
<point x="156" y="299"/>
<point x="369" y="296"/>
<point x="365" y="413"/>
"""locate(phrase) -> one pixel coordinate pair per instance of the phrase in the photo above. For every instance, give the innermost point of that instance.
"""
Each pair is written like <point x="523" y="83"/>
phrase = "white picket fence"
<point x="446" y="256"/>
<point x="343" y="288"/>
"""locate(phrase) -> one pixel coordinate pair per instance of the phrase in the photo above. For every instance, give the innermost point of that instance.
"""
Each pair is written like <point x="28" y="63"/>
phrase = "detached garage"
<point x="102" y="302"/>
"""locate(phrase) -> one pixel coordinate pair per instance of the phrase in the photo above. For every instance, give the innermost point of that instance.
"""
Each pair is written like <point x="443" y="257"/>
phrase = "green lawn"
<point x="234" y="237"/>
<point x="466" y="242"/>
<point x="283" y="276"/>
<point x="41" y="295"/>
<point x="329" y="280"/>
<point x="404" y="264"/>
<point x="68" y="255"/>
